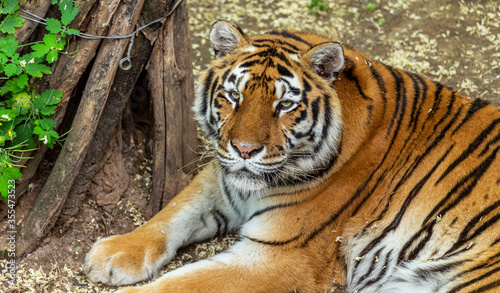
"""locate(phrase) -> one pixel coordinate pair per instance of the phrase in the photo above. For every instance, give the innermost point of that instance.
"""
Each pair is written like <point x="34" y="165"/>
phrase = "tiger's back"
<point x="425" y="209"/>
<point x="428" y="214"/>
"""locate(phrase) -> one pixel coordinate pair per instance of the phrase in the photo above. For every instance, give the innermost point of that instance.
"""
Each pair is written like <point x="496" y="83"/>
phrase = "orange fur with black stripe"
<point x="334" y="169"/>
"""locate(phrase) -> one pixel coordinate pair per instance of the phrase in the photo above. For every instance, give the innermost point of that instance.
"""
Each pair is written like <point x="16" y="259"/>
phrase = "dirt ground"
<point x="454" y="42"/>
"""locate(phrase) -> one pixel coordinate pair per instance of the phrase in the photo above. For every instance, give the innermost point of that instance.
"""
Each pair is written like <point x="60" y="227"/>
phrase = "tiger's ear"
<point x="227" y="37"/>
<point x="326" y="59"/>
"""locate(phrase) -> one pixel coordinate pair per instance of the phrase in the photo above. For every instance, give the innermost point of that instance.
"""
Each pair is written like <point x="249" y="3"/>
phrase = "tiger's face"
<point x="269" y="109"/>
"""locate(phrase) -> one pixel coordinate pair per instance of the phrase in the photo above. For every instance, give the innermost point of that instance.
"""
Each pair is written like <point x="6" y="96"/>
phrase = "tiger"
<point x="334" y="170"/>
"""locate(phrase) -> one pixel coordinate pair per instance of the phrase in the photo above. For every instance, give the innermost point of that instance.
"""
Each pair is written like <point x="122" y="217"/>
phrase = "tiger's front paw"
<point x="125" y="259"/>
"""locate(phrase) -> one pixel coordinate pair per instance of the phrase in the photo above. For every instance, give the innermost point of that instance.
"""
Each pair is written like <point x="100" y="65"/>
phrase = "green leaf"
<point x="3" y="59"/>
<point x="24" y="134"/>
<point x="37" y="70"/>
<point x="68" y="11"/>
<point x="9" y="24"/>
<point x="9" y="173"/>
<point x="10" y="86"/>
<point x="6" y="115"/>
<point x="381" y="21"/>
<point x="54" y="134"/>
<point x="12" y="173"/>
<point x="10" y="6"/>
<point x="21" y="103"/>
<point x="44" y="136"/>
<point x="48" y="110"/>
<point x="39" y="50"/>
<point x="53" y="25"/>
<point x="72" y="31"/>
<point x="10" y="69"/>
<point x="48" y="97"/>
<point x="8" y="45"/>
<point x="54" y="2"/>
<point x="21" y="81"/>
<point x="50" y="40"/>
<point x="371" y="7"/>
<point x="46" y="103"/>
<point x="52" y="56"/>
<point x="47" y="123"/>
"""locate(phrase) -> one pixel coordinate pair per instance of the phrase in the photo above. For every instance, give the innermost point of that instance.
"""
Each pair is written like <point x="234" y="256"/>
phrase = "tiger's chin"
<point x="246" y="181"/>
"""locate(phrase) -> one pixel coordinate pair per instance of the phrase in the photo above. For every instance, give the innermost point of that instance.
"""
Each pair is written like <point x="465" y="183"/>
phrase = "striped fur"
<point x="334" y="169"/>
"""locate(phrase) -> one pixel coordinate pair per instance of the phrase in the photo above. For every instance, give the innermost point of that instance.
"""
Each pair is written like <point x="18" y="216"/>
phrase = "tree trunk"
<point x="171" y="79"/>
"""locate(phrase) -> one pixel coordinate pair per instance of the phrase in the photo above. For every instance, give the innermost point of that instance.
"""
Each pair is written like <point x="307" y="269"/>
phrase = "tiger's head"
<point x="267" y="105"/>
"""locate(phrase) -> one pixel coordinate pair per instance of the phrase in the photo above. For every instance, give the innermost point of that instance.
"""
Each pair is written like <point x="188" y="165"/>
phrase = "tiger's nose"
<point x="246" y="151"/>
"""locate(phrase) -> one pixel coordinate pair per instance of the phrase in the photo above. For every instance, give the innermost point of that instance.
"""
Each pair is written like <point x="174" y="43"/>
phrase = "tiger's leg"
<point x="247" y="266"/>
<point x="195" y="214"/>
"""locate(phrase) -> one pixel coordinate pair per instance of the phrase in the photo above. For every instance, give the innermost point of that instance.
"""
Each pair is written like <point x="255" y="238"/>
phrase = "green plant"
<point x="318" y="5"/>
<point x="25" y="115"/>
<point x="371" y="7"/>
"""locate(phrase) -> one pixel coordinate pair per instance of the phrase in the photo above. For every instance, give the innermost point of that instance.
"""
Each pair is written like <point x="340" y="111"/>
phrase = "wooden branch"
<point x="155" y="74"/>
<point x="39" y="8"/>
<point x="67" y="71"/>
<point x="182" y="48"/>
<point x="171" y="84"/>
<point x="50" y="201"/>
<point x="123" y="85"/>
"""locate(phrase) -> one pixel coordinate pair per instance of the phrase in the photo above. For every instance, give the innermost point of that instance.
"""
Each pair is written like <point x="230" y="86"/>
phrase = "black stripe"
<point x="448" y="111"/>
<point x="219" y="224"/>
<point x="267" y="54"/>
<point x="250" y="63"/>
<point x="391" y="144"/>
<point x="284" y="71"/>
<point x="496" y="241"/>
<point x="481" y="265"/>
<point x="473" y="281"/>
<point x="411" y="196"/>
<point x="274" y="207"/>
<point x="206" y="92"/>
<point x="477" y="105"/>
<point x="294" y="90"/>
<point x="472" y="147"/>
<point x="232" y="78"/>
<point x="437" y="100"/>
<point x="230" y="199"/>
<point x="327" y="123"/>
<point x="463" y="238"/>
<point x="473" y="177"/>
<point x="487" y="287"/>
<point x="287" y="34"/>
<point x="416" y="98"/>
<point x="490" y="143"/>
<point x="381" y="274"/>
<point x="274" y="243"/>
<point x="423" y="82"/>
<point x="381" y="86"/>
<point x="399" y="86"/>
<point x="222" y="222"/>
<point x="294" y="48"/>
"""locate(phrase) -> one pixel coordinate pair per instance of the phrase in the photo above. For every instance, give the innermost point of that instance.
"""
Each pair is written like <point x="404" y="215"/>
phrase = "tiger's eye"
<point x="234" y="95"/>
<point x="286" y="104"/>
